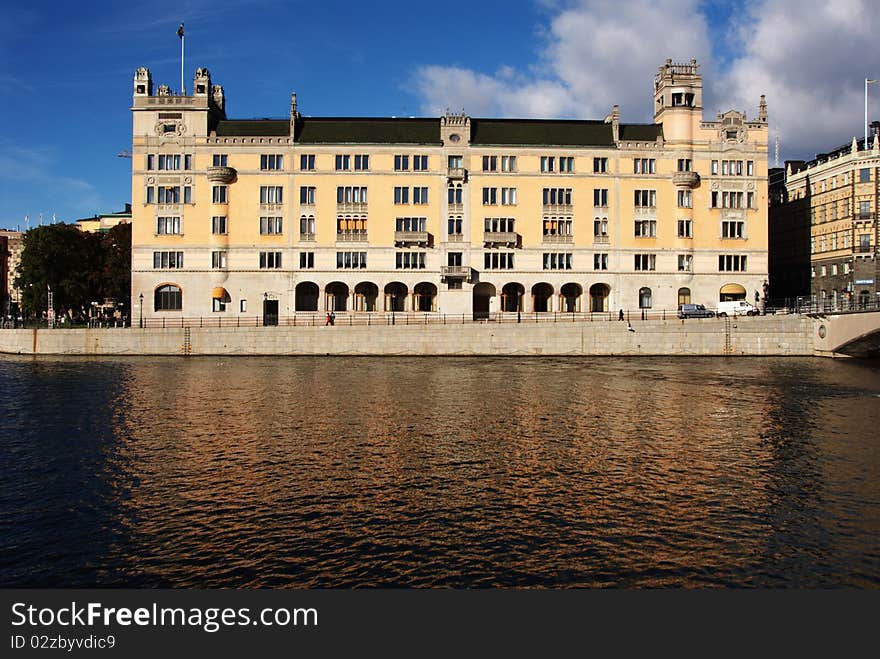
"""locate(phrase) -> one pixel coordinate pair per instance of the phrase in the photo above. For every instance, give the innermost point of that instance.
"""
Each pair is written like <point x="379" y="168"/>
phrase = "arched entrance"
<point x="541" y="295"/>
<point x="646" y="298"/>
<point x="512" y="297"/>
<point x="571" y="298"/>
<point x="424" y="297"/>
<point x="599" y="297"/>
<point x="336" y="295"/>
<point x="731" y="292"/>
<point x="306" y="297"/>
<point x="395" y="296"/>
<point x="684" y="296"/>
<point x="483" y="294"/>
<point x="365" y="295"/>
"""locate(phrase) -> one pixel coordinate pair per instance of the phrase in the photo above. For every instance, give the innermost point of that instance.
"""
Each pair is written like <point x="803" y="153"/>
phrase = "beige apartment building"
<point x="449" y="215"/>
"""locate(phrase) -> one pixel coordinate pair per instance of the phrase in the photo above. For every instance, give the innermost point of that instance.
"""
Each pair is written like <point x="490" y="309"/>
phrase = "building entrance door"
<point x="270" y="312"/>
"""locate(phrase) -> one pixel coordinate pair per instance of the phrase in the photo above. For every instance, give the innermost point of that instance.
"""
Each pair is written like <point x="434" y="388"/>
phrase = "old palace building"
<point x="453" y="215"/>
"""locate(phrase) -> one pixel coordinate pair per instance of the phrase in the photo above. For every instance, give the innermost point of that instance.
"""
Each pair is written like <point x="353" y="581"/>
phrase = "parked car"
<point x="737" y="308"/>
<point x="695" y="311"/>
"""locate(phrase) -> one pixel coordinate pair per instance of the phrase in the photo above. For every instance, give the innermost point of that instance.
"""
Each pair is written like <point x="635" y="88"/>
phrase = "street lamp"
<point x="141" y="299"/>
<point x="393" y="306"/>
<point x="867" y="82"/>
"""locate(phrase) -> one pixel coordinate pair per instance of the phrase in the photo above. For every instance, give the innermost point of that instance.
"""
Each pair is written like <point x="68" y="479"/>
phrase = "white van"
<point x="737" y="308"/>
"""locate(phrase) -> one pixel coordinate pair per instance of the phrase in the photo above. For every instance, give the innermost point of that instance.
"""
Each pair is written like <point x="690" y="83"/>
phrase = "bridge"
<point x="847" y="333"/>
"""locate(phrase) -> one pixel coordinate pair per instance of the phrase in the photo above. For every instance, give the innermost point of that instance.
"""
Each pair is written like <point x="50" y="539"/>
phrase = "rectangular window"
<point x="306" y="260"/>
<point x="169" y="194"/>
<point x="548" y="164"/>
<point x="557" y="261"/>
<point x="600" y="261"/>
<point x="362" y="163"/>
<point x="750" y="202"/>
<point x="219" y="160"/>
<point x="351" y="260"/>
<point x="490" y="163"/>
<point x="750" y="168"/>
<point x="646" y="228"/>
<point x="557" y="196"/>
<point x="600" y="197"/>
<point x="864" y="210"/>
<point x="685" y="228"/>
<point x="271" y="194"/>
<point x="410" y="224"/>
<point x="566" y="164"/>
<point x="169" y="162"/>
<point x="454" y="162"/>
<point x="864" y="174"/>
<point x="351" y="195"/>
<point x="167" y="260"/>
<point x="731" y="263"/>
<point x="508" y="163"/>
<point x="508" y="196"/>
<point x="453" y="226"/>
<point x="684" y="164"/>
<point x="554" y="227"/>
<point x="218" y="259"/>
<point x="498" y="260"/>
<point x="685" y="262"/>
<point x="307" y="227"/>
<point x="600" y="165"/>
<point x="401" y="163"/>
<point x="271" y="162"/>
<point x="307" y="195"/>
<point x="490" y="196"/>
<point x="499" y="224"/>
<point x="270" y="260"/>
<point x="420" y="195"/>
<point x="270" y="226"/>
<point x="151" y="161"/>
<point x="645" y="262"/>
<point x="218" y="194"/>
<point x="151" y="195"/>
<point x="685" y="200"/>
<point x="454" y="194"/>
<point x="714" y="167"/>
<point x="600" y="227"/>
<point x="420" y="163"/>
<point x="307" y="162"/>
<point x="410" y="260"/>
<point x="732" y="229"/>
<point x="644" y="165"/>
<point x="645" y="198"/>
<point x="343" y="163"/>
<point x="401" y="195"/>
<point x="168" y="226"/>
<point x="218" y="225"/>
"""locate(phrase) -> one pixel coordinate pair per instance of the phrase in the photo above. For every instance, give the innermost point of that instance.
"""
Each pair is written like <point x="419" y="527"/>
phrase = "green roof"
<point x="253" y="128"/>
<point x="361" y="130"/>
<point x="484" y="132"/>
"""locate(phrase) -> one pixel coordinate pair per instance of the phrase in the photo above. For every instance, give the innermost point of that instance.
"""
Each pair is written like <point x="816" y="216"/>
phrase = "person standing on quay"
<point x="620" y="315"/>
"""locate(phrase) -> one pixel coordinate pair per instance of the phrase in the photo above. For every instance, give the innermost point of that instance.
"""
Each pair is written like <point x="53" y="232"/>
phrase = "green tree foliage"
<point x="81" y="267"/>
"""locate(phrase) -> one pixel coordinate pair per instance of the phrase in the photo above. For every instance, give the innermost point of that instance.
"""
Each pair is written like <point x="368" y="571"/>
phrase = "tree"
<point x="63" y="257"/>
<point x="116" y="275"/>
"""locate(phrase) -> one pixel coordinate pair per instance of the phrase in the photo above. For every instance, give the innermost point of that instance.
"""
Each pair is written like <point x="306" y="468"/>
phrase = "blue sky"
<point x="66" y="71"/>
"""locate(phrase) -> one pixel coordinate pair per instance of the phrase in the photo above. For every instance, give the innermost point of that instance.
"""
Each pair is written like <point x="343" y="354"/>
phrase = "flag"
<point x="180" y="31"/>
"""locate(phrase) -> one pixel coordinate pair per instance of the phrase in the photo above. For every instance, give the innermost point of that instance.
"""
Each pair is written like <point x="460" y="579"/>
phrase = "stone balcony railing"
<point x="456" y="173"/>
<point x="558" y="209"/>
<point x="351" y="207"/>
<point x="411" y="237"/>
<point x="221" y="174"/>
<point x="601" y="240"/>
<point x="455" y="272"/>
<point x="686" y="179"/>
<point x="500" y="238"/>
<point x="551" y="239"/>
<point x="307" y="237"/>
<point x="351" y="237"/>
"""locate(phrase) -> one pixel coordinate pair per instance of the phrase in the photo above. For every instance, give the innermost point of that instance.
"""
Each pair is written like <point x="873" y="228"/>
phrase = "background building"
<point x="10" y="256"/>
<point x="105" y="221"/>
<point x="456" y="215"/>
<point x="833" y="201"/>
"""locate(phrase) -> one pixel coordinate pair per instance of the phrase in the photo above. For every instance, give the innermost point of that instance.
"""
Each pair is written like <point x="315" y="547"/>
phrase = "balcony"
<point x="305" y="237"/>
<point x="351" y="236"/>
<point x="351" y="207"/>
<point x="558" y="209"/>
<point x="455" y="272"/>
<point x="455" y="238"/>
<point x="221" y="174"/>
<point x="456" y="208"/>
<point x="456" y="174"/>
<point x="551" y="239"/>
<point x="507" y="238"/>
<point x="411" y="238"/>
<point x="602" y="240"/>
<point x="686" y="179"/>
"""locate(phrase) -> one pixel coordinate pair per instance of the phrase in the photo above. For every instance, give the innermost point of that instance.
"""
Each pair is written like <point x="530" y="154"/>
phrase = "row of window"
<point x="832" y="242"/>
<point x="823" y="270"/>
<point x="414" y="260"/>
<point x="828" y="211"/>
<point x="643" y="228"/>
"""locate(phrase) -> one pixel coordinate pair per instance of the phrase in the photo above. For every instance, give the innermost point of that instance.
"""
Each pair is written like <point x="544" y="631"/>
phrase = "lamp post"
<point x="141" y="300"/>
<point x="393" y="306"/>
<point x="867" y="82"/>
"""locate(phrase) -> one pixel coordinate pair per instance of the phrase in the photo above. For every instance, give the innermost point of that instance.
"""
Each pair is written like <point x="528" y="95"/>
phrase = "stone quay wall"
<point x="789" y="335"/>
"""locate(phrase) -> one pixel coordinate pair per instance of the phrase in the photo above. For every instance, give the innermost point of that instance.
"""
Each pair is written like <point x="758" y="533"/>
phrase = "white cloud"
<point x="809" y="57"/>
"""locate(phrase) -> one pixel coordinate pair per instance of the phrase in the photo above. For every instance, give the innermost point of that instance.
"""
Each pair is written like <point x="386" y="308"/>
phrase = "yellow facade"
<point x="499" y="215"/>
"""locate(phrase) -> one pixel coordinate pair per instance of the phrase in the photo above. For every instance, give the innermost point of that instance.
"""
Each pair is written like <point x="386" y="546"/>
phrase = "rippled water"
<point x="343" y="472"/>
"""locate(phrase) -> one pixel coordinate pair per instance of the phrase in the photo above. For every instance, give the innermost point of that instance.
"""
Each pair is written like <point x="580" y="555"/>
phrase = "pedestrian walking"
<point x="620" y="315"/>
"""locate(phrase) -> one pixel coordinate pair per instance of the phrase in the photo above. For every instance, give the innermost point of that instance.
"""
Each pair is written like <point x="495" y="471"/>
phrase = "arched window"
<point x="684" y="296"/>
<point x="168" y="298"/>
<point x="644" y="298"/>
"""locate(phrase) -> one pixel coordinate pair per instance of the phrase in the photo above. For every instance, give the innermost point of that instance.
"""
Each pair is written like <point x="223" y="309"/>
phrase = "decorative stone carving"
<point x="221" y="174"/>
<point x="686" y="179"/>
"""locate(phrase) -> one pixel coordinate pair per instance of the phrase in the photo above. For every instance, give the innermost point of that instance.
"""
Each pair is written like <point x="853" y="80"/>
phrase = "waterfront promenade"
<point x="784" y="335"/>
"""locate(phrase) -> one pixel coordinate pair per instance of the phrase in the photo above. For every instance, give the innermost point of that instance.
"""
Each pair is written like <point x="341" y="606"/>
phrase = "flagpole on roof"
<point x="180" y="34"/>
